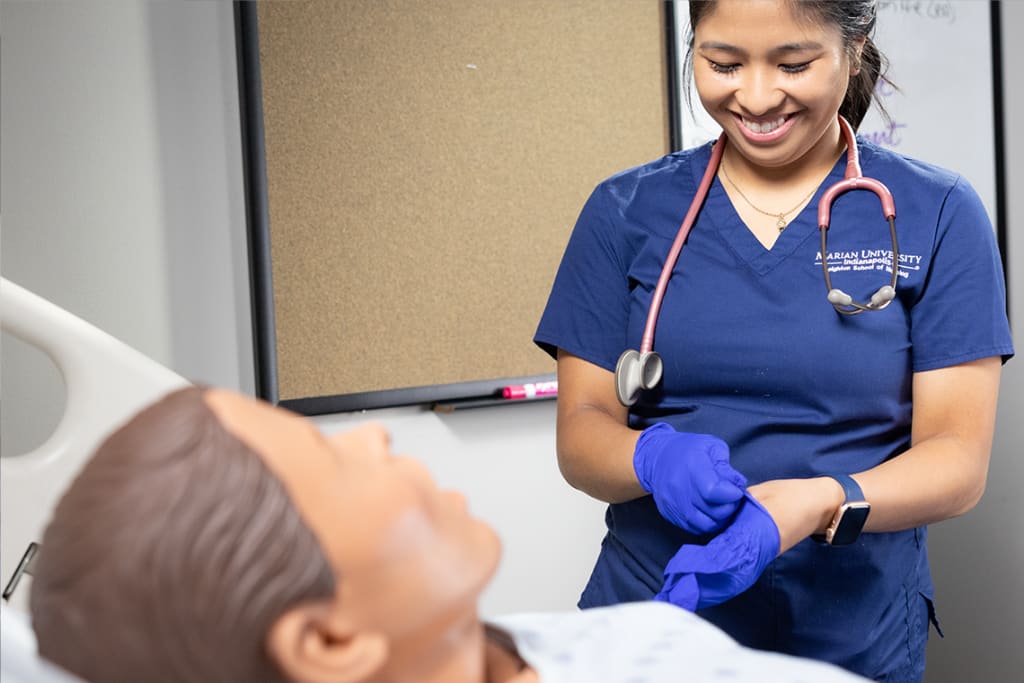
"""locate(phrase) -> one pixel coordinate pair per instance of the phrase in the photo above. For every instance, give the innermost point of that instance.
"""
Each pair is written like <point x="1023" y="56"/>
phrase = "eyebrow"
<point x="785" y="48"/>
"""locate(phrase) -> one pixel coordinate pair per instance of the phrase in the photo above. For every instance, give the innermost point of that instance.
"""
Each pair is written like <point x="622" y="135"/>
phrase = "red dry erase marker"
<point x="531" y="390"/>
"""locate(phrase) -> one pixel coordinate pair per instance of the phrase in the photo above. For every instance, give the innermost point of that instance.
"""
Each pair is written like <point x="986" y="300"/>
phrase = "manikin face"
<point x="407" y="555"/>
<point x="773" y="82"/>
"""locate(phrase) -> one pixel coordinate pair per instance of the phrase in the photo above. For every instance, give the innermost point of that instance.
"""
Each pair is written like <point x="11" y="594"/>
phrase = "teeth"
<point x="763" y="127"/>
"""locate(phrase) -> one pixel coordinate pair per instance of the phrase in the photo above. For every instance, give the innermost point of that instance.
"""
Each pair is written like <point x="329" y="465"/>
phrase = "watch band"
<point x="850" y="487"/>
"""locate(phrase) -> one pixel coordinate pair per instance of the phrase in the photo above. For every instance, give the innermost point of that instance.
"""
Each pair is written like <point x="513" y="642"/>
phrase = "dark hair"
<point x="172" y="554"/>
<point x="855" y="19"/>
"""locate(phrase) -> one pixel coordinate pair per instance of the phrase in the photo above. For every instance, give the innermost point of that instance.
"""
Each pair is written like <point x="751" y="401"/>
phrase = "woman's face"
<point x="773" y="81"/>
<point x="407" y="555"/>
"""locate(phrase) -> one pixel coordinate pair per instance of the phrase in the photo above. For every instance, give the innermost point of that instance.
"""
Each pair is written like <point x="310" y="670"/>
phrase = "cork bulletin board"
<point x="414" y="170"/>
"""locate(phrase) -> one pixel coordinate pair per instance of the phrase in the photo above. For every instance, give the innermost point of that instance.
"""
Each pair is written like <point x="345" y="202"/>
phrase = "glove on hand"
<point x="700" y="576"/>
<point x="689" y="475"/>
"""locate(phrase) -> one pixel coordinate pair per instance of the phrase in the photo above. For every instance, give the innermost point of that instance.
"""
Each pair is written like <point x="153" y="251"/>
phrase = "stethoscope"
<point x="642" y="370"/>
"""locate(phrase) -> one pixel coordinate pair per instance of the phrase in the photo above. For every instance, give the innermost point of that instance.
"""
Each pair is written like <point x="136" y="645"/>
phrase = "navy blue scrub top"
<point x="756" y="355"/>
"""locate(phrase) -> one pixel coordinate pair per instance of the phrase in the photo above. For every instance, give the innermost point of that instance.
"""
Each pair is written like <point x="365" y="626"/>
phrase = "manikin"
<point x="218" y="538"/>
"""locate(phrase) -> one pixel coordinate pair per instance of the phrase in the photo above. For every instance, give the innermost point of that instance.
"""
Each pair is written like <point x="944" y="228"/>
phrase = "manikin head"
<point x="216" y="538"/>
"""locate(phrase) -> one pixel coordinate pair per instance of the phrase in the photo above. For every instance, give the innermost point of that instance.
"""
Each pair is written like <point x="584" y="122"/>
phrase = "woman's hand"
<point x="800" y="507"/>
<point x="700" y="576"/>
<point x="689" y="476"/>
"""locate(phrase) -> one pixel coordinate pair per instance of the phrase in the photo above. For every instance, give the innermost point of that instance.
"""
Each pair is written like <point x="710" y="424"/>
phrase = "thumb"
<point x="723" y="491"/>
<point x="727" y="472"/>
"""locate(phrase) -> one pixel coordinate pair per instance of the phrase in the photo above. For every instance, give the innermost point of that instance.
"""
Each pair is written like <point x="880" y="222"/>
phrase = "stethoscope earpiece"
<point x="838" y="297"/>
<point x="882" y="297"/>
<point x="844" y="303"/>
<point x="634" y="372"/>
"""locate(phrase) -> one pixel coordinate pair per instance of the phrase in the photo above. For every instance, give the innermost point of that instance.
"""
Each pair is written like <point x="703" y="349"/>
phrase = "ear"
<point x="310" y="644"/>
<point x="858" y="52"/>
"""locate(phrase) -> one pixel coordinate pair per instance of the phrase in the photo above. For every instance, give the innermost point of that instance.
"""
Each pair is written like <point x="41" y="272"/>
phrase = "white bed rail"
<point x="106" y="382"/>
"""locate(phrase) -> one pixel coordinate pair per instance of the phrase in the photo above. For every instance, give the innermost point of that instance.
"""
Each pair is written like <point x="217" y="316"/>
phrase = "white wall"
<point x="122" y="201"/>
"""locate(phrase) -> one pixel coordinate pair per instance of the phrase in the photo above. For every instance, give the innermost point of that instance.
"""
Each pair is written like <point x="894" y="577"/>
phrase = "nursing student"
<point x="806" y="449"/>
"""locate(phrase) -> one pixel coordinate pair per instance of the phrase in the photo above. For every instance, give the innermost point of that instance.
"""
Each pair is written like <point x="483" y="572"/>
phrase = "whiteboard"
<point x="941" y="58"/>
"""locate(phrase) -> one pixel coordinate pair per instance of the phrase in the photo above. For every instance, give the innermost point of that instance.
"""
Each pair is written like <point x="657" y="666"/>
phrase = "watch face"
<point x="851" y="521"/>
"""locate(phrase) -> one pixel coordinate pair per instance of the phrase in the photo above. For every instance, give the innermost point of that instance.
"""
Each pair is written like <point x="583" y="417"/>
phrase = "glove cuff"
<point x="646" y="450"/>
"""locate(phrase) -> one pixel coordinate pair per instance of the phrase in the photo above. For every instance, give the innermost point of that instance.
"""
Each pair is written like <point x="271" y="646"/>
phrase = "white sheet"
<point x="650" y="642"/>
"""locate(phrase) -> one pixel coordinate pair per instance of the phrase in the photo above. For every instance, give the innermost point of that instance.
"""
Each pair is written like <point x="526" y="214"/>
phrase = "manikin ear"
<point x="313" y="644"/>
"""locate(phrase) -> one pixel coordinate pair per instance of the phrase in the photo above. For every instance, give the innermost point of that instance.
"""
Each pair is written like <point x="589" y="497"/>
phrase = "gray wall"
<point x="978" y="559"/>
<point x="121" y="188"/>
<point x="122" y="201"/>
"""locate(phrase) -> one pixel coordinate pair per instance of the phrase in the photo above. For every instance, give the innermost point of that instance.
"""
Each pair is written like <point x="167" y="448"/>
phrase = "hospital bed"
<point x="106" y="382"/>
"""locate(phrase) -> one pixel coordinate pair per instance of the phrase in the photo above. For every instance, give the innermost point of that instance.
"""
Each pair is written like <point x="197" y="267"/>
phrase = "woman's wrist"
<point x="799" y="507"/>
<point x="831" y="496"/>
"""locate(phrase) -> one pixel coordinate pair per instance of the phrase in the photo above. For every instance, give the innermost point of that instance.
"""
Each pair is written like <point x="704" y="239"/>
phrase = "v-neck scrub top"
<point x="755" y="355"/>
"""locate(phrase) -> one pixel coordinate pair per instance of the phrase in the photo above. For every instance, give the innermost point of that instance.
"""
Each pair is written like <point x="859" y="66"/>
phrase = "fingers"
<point x="728" y="565"/>
<point x="700" y="522"/>
<point x="717" y="453"/>
<point x="726" y="472"/>
<point x="689" y="476"/>
<point x="697" y="515"/>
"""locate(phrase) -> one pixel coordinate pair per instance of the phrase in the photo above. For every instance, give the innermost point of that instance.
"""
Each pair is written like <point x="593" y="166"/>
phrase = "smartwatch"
<point x="849" y="519"/>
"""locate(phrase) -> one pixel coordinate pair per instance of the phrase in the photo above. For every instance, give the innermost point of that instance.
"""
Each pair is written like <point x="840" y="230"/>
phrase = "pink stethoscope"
<point x="642" y="370"/>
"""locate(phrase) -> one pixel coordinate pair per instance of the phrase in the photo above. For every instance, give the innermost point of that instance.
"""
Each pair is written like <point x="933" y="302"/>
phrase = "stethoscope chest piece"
<point x="634" y="372"/>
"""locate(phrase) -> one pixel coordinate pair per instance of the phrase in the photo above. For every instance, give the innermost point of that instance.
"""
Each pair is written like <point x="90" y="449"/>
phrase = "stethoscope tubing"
<point x="642" y="370"/>
<point x="854" y="180"/>
<point x="647" y="341"/>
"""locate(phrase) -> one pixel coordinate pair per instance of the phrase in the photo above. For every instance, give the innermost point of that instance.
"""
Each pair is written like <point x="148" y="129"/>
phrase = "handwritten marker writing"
<point x="531" y="390"/>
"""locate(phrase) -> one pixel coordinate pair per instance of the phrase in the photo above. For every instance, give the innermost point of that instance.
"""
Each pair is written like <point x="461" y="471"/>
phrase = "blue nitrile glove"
<point x="690" y="477"/>
<point x="700" y="576"/>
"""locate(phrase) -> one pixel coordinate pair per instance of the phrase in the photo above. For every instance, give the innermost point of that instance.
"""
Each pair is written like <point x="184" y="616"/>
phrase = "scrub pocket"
<point x="596" y="592"/>
<point x="614" y="581"/>
<point x="920" y="617"/>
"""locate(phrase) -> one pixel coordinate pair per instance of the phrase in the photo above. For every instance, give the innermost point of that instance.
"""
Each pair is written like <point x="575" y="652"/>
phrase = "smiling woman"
<point x="776" y="97"/>
<point x="750" y="385"/>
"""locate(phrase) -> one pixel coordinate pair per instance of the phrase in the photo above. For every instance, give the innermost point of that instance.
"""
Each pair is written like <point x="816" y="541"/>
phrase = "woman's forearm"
<point x="944" y="472"/>
<point x="941" y="476"/>
<point x="595" y="454"/>
<point x="935" y="480"/>
<point x="595" y="444"/>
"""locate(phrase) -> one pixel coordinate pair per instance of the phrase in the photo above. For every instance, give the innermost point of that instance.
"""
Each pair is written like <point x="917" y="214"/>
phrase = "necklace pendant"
<point x="781" y="225"/>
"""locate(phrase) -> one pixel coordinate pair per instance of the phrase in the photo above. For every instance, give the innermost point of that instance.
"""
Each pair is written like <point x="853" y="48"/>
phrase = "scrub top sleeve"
<point x="960" y="315"/>
<point x="588" y="308"/>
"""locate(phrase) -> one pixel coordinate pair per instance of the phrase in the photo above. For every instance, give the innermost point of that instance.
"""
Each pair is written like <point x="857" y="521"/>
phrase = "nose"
<point x="417" y="469"/>
<point x="371" y="438"/>
<point x="759" y="92"/>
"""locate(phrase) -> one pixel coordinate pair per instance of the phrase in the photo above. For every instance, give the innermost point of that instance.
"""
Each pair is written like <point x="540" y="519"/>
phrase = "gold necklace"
<point x="780" y="217"/>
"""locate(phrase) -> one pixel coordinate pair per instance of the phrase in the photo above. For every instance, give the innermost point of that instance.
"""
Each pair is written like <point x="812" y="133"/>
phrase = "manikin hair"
<point x="855" y="20"/>
<point x="172" y="554"/>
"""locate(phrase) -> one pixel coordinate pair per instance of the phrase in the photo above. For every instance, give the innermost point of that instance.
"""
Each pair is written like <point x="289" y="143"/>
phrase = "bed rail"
<point x="106" y="382"/>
